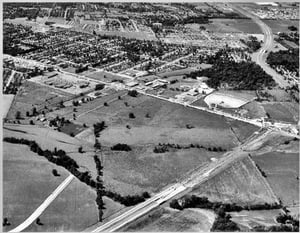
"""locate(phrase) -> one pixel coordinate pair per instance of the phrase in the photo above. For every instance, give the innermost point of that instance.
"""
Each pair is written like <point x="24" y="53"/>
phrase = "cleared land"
<point x="240" y="183"/>
<point x="167" y="219"/>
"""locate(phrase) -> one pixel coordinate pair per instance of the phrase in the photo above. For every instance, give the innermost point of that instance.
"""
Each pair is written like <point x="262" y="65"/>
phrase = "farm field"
<point x="23" y="179"/>
<point x="281" y="170"/>
<point x="231" y="26"/>
<point x="283" y="111"/>
<point x="32" y="94"/>
<point x="240" y="183"/>
<point x="281" y="25"/>
<point x="168" y="219"/>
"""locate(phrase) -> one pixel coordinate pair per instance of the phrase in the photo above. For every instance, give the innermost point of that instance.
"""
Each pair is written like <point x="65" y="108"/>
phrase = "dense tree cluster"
<point x="99" y="187"/>
<point x="98" y="127"/>
<point x="236" y="76"/>
<point x="164" y="147"/>
<point x="194" y="201"/>
<point x="121" y="147"/>
<point x="127" y="200"/>
<point x="133" y="93"/>
<point x="223" y="223"/>
<point x="289" y="59"/>
<point x="252" y="43"/>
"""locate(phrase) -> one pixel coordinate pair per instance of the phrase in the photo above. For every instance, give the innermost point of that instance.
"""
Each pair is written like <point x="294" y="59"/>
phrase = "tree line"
<point x="162" y="148"/>
<point x="60" y="158"/>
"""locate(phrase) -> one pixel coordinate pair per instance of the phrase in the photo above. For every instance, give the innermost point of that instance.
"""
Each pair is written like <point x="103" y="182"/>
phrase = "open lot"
<point x="283" y="111"/>
<point x="240" y="183"/>
<point x="281" y="169"/>
<point x="167" y="219"/>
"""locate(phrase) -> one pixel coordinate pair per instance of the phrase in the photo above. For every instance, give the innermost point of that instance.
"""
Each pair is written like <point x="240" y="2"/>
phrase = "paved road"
<point x="44" y="205"/>
<point x="260" y="57"/>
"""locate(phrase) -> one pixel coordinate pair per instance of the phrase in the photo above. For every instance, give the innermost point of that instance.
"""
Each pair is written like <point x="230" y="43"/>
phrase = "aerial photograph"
<point x="156" y="116"/>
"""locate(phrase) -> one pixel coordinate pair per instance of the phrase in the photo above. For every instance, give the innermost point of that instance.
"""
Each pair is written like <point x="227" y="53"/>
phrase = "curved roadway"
<point x="261" y="55"/>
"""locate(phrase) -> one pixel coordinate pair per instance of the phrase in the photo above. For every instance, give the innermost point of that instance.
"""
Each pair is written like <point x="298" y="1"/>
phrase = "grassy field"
<point x="281" y="25"/>
<point x="230" y="26"/>
<point x="283" y="111"/>
<point x="49" y="139"/>
<point x="240" y="183"/>
<point x="141" y="169"/>
<point x="281" y="170"/>
<point x="73" y="210"/>
<point x="25" y="184"/>
<point x="167" y="219"/>
<point x="32" y="94"/>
